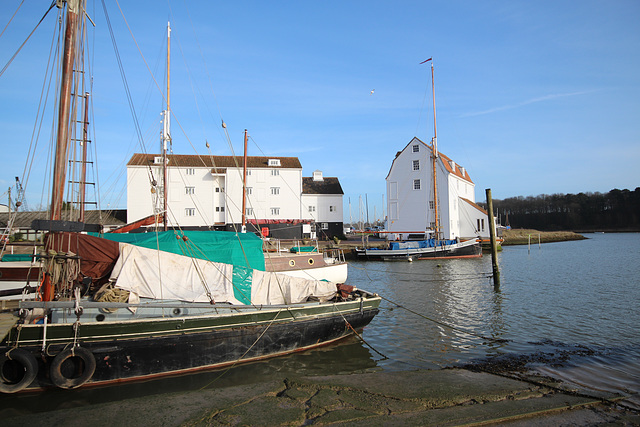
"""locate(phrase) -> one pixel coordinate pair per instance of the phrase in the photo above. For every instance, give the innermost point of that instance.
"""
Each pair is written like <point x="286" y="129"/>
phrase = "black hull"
<point x="120" y="360"/>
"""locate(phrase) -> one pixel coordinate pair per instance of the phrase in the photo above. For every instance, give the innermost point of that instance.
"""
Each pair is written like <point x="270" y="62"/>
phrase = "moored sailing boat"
<point x="111" y="312"/>
<point x="430" y="243"/>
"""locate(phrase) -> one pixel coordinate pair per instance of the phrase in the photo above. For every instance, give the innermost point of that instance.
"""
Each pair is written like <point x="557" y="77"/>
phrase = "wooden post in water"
<point x="492" y="233"/>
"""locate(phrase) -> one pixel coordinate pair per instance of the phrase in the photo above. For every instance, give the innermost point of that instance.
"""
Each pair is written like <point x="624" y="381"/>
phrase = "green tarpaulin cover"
<point x="243" y="250"/>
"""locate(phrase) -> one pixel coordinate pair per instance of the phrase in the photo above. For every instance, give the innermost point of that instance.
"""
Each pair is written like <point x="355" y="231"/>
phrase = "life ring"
<point x="18" y="369"/>
<point x="72" y="367"/>
<point x="311" y="261"/>
<point x="292" y="263"/>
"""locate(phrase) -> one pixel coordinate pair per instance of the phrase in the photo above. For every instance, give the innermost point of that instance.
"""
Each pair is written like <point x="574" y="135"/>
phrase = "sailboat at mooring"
<point x="429" y="243"/>
<point x="109" y="311"/>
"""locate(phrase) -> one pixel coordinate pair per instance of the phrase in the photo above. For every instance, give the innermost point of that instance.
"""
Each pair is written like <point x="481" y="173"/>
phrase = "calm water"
<point x="579" y="300"/>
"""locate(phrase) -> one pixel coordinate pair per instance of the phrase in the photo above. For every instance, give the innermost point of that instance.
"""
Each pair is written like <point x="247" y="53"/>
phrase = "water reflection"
<point x="561" y="299"/>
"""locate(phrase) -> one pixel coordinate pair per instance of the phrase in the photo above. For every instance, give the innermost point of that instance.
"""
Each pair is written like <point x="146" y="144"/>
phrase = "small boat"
<point x="423" y="249"/>
<point x="108" y="312"/>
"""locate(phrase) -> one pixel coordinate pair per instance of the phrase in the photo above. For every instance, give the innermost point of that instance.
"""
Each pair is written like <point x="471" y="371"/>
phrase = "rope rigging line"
<point x="27" y="39"/>
<point x="245" y="353"/>
<point x="455" y="328"/>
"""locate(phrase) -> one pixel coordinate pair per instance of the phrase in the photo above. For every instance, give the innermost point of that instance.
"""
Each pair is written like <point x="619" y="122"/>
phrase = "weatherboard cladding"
<point x="195" y="161"/>
<point x="329" y="185"/>
<point x="446" y="161"/>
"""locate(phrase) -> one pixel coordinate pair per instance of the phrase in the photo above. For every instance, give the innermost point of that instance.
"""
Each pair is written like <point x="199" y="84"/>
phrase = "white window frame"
<point x="190" y="212"/>
<point x="190" y="190"/>
<point x="416" y="165"/>
<point x="249" y="211"/>
<point x="249" y="191"/>
<point x="312" y="208"/>
<point x="417" y="185"/>
<point x="275" y="191"/>
<point x="275" y="172"/>
<point x="275" y="211"/>
<point x="416" y="148"/>
<point x="332" y="208"/>
<point x="190" y="171"/>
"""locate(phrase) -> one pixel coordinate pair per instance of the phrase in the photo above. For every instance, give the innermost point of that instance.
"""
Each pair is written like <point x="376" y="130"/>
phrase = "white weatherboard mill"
<point x="410" y="196"/>
<point x="206" y="192"/>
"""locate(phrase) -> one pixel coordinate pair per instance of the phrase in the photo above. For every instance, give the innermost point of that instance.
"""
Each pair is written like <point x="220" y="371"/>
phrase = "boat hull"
<point x="146" y="348"/>
<point x="468" y="249"/>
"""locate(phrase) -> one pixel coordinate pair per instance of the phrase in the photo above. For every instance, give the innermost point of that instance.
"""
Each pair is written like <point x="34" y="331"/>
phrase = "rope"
<point x="108" y="293"/>
<point x="455" y="328"/>
<point x="244" y="354"/>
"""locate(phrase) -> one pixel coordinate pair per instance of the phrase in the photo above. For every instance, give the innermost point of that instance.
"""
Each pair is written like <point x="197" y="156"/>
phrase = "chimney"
<point x="317" y="175"/>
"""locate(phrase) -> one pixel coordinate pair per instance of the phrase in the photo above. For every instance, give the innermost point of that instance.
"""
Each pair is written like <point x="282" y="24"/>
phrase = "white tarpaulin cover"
<point x="163" y="275"/>
<point x="273" y="288"/>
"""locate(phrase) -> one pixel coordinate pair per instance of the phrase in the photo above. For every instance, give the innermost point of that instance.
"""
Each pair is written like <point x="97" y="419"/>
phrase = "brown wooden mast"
<point x="62" y="140"/>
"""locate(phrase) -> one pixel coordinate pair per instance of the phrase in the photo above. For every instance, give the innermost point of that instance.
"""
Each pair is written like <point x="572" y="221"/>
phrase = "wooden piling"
<point x="494" y="246"/>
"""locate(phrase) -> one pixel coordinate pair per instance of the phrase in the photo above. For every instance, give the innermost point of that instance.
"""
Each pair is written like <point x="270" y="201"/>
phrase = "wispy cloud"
<point x="527" y="102"/>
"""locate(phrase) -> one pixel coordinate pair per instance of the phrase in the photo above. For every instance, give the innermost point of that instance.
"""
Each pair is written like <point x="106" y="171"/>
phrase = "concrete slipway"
<point x="445" y="397"/>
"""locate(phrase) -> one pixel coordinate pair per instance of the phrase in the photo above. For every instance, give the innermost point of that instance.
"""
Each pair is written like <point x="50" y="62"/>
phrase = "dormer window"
<point x="274" y="162"/>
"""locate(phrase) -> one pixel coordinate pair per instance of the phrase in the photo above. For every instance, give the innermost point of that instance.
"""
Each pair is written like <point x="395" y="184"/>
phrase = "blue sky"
<point x="532" y="97"/>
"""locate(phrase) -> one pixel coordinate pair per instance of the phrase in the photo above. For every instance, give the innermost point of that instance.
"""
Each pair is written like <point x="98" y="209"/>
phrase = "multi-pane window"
<point x="275" y="190"/>
<point x="332" y="208"/>
<point x="190" y="212"/>
<point x="325" y="225"/>
<point x="312" y="208"/>
<point x="416" y="148"/>
<point x="219" y="208"/>
<point x="432" y="205"/>
<point x="416" y="165"/>
<point x="275" y="172"/>
<point x="249" y="211"/>
<point x="416" y="184"/>
<point x="249" y="191"/>
<point x="219" y="189"/>
<point x="275" y="211"/>
<point x="190" y="171"/>
<point x="189" y="190"/>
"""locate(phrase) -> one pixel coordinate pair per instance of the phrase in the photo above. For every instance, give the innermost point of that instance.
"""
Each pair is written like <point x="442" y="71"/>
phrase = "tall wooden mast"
<point x="166" y="133"/>
<point x="62" y="140"/>
<point x="244" y="186"/>
<point x="434" y="157"/>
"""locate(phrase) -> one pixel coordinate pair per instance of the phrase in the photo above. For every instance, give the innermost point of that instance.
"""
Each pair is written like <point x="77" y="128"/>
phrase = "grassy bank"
<point x="521" y="236"/>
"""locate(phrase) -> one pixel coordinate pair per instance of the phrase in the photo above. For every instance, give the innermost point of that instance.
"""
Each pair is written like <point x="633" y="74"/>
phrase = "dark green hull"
<point x="190" y="337"/>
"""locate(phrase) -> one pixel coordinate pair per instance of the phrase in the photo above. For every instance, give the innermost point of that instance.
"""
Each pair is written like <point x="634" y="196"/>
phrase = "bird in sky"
<point x="372" y="92"/>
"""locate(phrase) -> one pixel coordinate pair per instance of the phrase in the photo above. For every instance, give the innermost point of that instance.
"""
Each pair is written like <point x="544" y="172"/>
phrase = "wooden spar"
<point x="492" y="233"/>
<point x="62" y="141"/>
<point x="167" y="132"/>
<point x="244" y="185"/>
<point x="434" y="157"/>
<point x="85" y="140"/>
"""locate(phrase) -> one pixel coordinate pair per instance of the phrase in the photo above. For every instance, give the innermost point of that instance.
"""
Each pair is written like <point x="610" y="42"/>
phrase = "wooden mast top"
<point x="62" y="140"/>
<point x="434" y="157"/>
<point x="166" y="137"/>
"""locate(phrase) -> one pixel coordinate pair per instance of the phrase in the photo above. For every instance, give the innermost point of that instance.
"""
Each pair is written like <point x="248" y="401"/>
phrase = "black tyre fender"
<point x="72" y="367"/>
<point x="18" y="369"/>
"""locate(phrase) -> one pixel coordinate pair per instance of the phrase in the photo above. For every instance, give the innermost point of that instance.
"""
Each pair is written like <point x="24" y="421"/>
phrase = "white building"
<point x="322" y="201"/>
<point x="410" y="196"/>
<point x="205" y="192"/>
